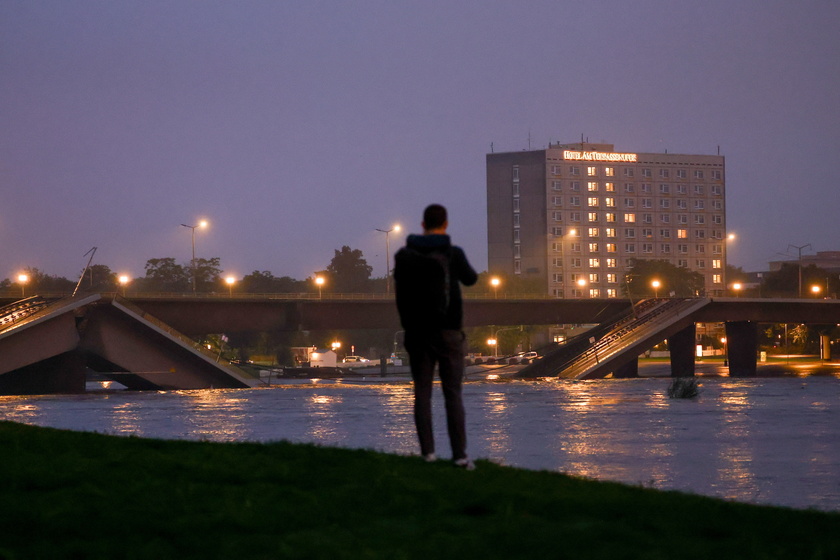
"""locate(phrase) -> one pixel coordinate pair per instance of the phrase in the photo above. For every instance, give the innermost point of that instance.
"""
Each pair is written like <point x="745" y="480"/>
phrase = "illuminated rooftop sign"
<point x="599" y="156"/>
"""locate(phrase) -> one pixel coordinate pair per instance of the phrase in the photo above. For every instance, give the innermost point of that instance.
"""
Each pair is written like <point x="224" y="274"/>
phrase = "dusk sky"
<point x="297" y="127"/>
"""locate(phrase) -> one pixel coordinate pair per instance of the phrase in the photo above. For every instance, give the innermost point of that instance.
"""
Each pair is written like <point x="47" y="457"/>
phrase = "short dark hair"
<point x="434" y="216"/>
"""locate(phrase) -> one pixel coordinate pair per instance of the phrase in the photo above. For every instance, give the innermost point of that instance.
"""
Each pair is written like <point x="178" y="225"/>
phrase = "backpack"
<point x="422" y="284"/>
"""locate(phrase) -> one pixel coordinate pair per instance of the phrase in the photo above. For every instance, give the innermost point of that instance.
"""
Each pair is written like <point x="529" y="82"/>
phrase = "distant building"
<point x="827" y="260"/>
<point x="575" y="215"/>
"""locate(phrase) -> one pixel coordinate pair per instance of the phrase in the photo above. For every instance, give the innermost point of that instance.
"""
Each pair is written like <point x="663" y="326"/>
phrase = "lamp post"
<point x="495" y="282"/>
<point x="230" y="281"/>
<point x="22" y="280"/>
<point x="815" y="289"/>
<point x="494" y="343"/>
<point x="387" y="233"/>
<point x="201" y="224"/>
<point x="736" y="287"/>
<point x="656" y="284"/>
<point x="319" y="281"/>
<point x="124" y="280"/>
<point x="799" y="248"/>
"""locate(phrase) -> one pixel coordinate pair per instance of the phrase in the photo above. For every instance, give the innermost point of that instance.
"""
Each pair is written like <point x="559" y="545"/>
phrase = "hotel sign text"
<point x="598" y="156"/>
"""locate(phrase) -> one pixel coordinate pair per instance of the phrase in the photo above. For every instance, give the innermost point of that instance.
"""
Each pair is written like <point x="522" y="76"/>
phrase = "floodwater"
<point x="762" y="440"/>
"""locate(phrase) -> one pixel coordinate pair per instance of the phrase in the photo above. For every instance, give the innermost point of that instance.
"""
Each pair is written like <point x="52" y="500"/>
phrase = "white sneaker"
<point x="430" y="457"/>
<point x="465" y="464"/>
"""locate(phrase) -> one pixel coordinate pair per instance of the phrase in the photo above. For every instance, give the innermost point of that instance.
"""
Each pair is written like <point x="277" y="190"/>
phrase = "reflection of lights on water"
<point x="218" y="414"/>
<point x="493" y="377"/>
<point x="734" y="454"/>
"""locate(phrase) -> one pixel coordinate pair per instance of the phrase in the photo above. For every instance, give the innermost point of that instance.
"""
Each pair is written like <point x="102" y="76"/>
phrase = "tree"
<point x="99" y="278"/>
<point x="208" y="275"/>
<point x="679" y="281"/>
<point x="165" y="275"/>
<point x="266" y="283"/>
<point x="348" y="271"/>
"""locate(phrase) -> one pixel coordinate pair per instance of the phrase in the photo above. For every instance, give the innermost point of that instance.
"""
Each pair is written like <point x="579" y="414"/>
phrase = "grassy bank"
<point x="81" y="495"/>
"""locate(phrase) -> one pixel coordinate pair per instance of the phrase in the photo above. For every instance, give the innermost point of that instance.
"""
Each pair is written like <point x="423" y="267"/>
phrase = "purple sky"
<point x="299" y="127"/>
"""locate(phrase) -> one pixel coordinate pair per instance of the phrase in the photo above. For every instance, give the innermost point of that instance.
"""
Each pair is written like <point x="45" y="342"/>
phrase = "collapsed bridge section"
<point x="51" y="346"/>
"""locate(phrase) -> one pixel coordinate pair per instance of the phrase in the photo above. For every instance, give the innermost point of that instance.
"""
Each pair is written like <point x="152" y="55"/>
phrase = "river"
<point x="772" y="440"/>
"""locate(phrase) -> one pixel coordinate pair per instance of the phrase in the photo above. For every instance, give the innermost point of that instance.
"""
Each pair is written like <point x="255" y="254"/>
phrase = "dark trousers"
<point x="446" y="350"/>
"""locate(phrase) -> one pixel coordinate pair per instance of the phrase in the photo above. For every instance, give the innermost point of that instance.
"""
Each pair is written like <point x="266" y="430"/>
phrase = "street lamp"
<point x="799" y="248"/>
<point x="319" y="281"/>
<point x="736" y="287"/>
<point x="656" y="284"/>
<point x="388" y="255"/>
<point x="494" y="343"/>
<point x="815" y="289"/>
<point x="22" y="280"/>
<point x="124" y="280"/>
<point x="495" y="282"/>
<point x="230" y="281"/>
<point x="201" y="224"/>
<point x="725" y="351"/>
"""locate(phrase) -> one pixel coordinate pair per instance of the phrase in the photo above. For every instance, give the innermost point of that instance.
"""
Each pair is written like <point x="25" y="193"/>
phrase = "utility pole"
<point x="800" y="263"/>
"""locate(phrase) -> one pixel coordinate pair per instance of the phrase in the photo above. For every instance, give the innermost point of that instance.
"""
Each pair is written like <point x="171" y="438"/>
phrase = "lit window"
<point x="612" y="278"/>
<point x="591" y="171"/>
<point x="594" y="263"/>
<point x="610" y="232"/>
<point x="629" y="218"/>
<point x="611" y="293"/>
<point x="609" y="171"/>
<point x="593" y="232"/>
<point x="609" y="187"/>
<point x="593" y="217"/>
<point x="716" y="263"/>
<point x="610" y="217"/>
<point x="609" y="202"/>
<point x="612" y="263"/>
<point x="594" y="278"/>
<point x="594" y="293"/>
<point x="592" y="202"/>
<point x="717" y="279"/>
<point x="682" y="233"/>
<point x="593" y="248"/>
<point x="592" y="186"/>
<point x="611" y="248"/>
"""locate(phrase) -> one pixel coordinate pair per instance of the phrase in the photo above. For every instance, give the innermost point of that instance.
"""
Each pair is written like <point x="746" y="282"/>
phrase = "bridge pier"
<point x="628" y="370"/>
<point x="742" y="341"/>
<point x="681" y="346"/>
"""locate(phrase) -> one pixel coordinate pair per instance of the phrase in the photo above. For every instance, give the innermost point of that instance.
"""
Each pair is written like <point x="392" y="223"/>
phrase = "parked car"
<point x="354" y="359"/>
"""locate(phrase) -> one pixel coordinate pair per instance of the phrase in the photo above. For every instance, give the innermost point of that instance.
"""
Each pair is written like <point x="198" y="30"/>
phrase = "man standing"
<point x="428" y="272"/>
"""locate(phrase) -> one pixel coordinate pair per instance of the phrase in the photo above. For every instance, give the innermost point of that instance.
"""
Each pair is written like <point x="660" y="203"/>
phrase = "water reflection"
<point x="772" y="440"/>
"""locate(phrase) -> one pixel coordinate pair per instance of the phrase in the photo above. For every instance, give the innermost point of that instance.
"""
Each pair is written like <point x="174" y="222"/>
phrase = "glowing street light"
<point x="495" y="282"/>
<point x="201" y="224"/>
<point x="319" y="281"/>
<point x="494" y="343"/>
<point x="230" y="281"/>
<point x="816" y="289"/>
<point x="123" y="280"/>
<point x="22" y="280"/>
<point x="737" y="287"/>
<point x="387" y="232"/>
<point x="656" y="284"/>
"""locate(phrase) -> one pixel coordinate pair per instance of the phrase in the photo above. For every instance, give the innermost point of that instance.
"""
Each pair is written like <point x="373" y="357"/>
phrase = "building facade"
<point x="574" y="216"/>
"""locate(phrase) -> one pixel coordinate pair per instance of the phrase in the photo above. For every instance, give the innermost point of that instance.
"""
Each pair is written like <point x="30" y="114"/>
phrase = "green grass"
<point x="83" y="495"/>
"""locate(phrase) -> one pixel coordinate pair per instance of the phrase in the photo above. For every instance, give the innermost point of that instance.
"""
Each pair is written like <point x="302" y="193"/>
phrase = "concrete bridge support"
<point x="628" y="370"/>
<point x="681" y="346"/>
<point x="742" y="341"/>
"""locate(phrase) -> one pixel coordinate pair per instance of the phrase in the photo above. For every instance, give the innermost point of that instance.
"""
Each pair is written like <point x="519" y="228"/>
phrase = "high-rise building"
<point x="574" y="216"/>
